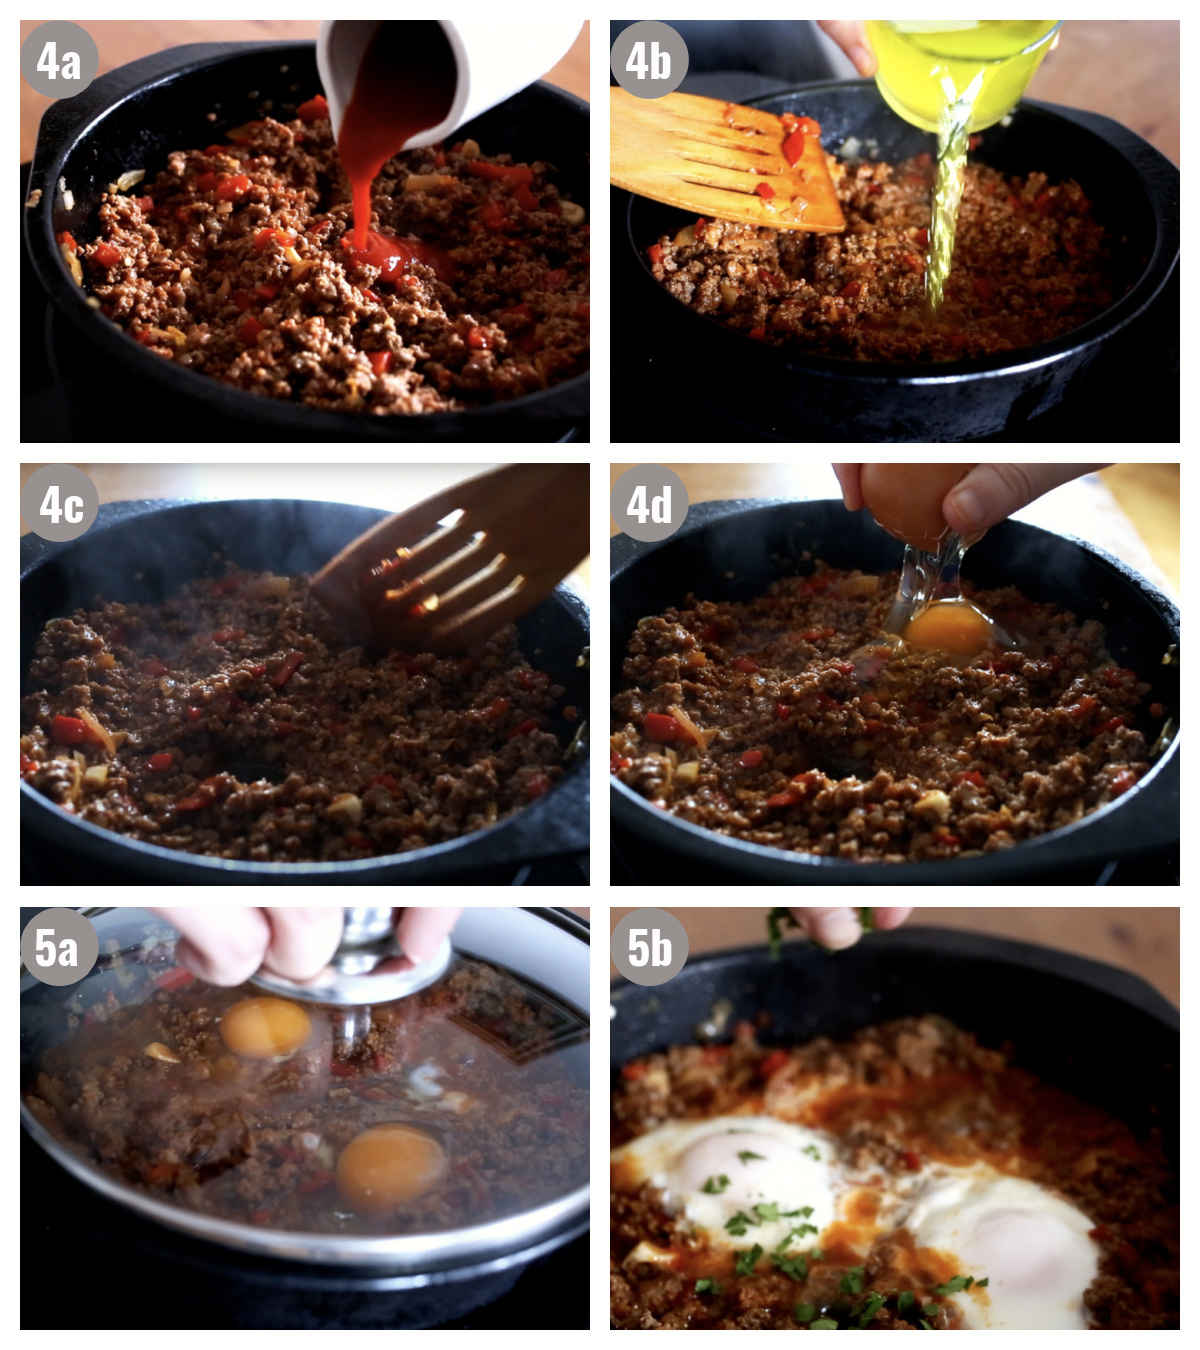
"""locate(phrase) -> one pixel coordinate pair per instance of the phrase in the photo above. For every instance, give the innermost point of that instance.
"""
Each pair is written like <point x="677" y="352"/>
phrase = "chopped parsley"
<point x="823" y="1324"/>
<point x="794" y="1267"/>
<point x="746" y="1261"/>
<point x="707" y="1286"/>
<point x="767" y="1213"/>
<point x="738" y="1224"/>
<point x="777" y="920"/>
<point x="906" y="1303"/>
<point x="955" y="1285"/>
<point x="804" y="1312"/>
<point x="852" y="1281"/>
<point x="812" y="1151"/>
<point x="715" y="1185"/>
<point x="746" y="1155"/>
<point x="982" y="1284"/>
<point x="871" y="1305"/>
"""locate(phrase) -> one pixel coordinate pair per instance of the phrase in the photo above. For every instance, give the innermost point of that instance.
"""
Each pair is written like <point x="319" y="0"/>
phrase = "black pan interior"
<point x="733" y="551"/>
<point x="1067" y="1020"/>
<point x="1040" y="137"/>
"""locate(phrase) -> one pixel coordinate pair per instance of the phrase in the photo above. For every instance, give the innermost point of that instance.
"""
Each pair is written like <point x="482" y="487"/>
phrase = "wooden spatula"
<point x="722" y="160"/>
<point x="413" y="582"/>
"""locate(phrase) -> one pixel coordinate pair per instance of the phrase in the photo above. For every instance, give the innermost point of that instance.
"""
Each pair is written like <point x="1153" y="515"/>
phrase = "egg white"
<point x="1030" y="1245"/>
<point x="714" y="1170"/>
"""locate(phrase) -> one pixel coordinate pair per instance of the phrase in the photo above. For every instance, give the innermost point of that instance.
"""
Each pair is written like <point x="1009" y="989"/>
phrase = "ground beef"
<point x="257" y="1141"/>
<point x="918" y="759"/>
<point x="894" y="1097"/>
<point x="242" y="726"/>
<point x="1030" y="263"/>
<point x="233" y="262"/>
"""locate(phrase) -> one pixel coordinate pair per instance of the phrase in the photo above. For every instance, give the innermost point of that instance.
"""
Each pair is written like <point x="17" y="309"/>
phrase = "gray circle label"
<point x="59" y="59"/>
<point x="649" y="946"/>
<point x="59" y="946"/>
<point x="649" y="502"/>
<point x="59" y="502"/>
<point x="649" y="59"/>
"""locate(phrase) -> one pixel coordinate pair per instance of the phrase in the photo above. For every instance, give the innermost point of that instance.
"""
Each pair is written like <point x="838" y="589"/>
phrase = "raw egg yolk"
<point x="265" y="1028"/>
<point x="906" y="499"/>
<point x="387" y="1166"/>
<point x="952" y="626"/>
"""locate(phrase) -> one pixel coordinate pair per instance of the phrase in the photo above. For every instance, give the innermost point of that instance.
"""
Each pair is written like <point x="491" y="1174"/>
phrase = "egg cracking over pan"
<point x="387" y="1166"/>
<point x="906" y="499"/>
<point x="1014" y="1254"/>
<point x="265" y="1028"/>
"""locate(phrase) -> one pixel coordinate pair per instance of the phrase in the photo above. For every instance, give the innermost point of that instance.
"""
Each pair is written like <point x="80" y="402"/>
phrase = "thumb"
<point x="991" y="492"/>
<point x="852" y="39"/>
<point x="420" y="931"/>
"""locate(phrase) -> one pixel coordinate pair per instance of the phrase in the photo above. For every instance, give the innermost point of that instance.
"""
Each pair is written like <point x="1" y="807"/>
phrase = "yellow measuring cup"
<point x="926" y="64"/>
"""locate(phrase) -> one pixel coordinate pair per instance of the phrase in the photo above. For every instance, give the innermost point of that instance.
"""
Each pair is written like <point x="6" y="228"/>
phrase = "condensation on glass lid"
<point x="463" y="1103"/>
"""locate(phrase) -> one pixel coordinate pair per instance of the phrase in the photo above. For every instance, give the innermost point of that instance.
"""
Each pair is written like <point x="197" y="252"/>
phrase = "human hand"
<point x="851" y="37"/>
<point x="836" y="928"/>
<point x="986" y="495"/>
<point x="227" y="944"/>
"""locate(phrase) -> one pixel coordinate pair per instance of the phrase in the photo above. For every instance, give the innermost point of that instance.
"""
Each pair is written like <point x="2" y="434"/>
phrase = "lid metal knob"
<point x="368" y="967"/>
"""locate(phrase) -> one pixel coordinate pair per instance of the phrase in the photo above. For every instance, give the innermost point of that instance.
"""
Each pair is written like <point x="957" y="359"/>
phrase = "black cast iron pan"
<point x="133" y="117"/>
<point x="144" y="550"/>
<point x="780" y="394"/>
<point x="1067" y="1019"/>
<point x="733" y="550"/>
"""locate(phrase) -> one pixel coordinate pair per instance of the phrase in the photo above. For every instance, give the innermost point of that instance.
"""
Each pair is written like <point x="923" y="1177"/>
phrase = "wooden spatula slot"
<point x="722" y="160"/>
<point x="447" y="573"/>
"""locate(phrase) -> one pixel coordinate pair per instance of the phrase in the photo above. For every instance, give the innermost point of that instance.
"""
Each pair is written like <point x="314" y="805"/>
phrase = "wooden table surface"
<point x="390" y="486"/>
<point x="119" y="41"/>
<point x="1127" y="69"/>
<point x="1144" y="941"/>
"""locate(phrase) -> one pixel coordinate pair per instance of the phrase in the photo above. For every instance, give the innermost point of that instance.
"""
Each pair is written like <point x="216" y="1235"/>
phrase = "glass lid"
<point x="461" y="1106"/>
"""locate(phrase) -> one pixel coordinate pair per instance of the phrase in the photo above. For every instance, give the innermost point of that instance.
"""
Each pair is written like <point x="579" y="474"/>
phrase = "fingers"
<point x="849" y="476"/>
<point x="302" y="939"/>
<point x="420" y="931"/>
<point x="851" y="37"/>
<point x="992" y="492"/>
<point x="891" y="918"/>
<point x="835" y="929"/>
<point x="223" y="945"/>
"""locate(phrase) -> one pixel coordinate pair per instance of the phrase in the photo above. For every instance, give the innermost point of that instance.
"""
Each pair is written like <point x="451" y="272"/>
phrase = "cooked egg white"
<point x="714" y="1170"/>
<point x="1030" y="1245"/>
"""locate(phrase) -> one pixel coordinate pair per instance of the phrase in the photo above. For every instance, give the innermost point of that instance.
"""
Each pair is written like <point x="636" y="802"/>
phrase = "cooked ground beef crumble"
<point x="233" y="261"/>
<point x="232" y="720"/>
<point x="894" y="1097"/>
<point x="1030" y="263"/>
<point x="779" y="741"/>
